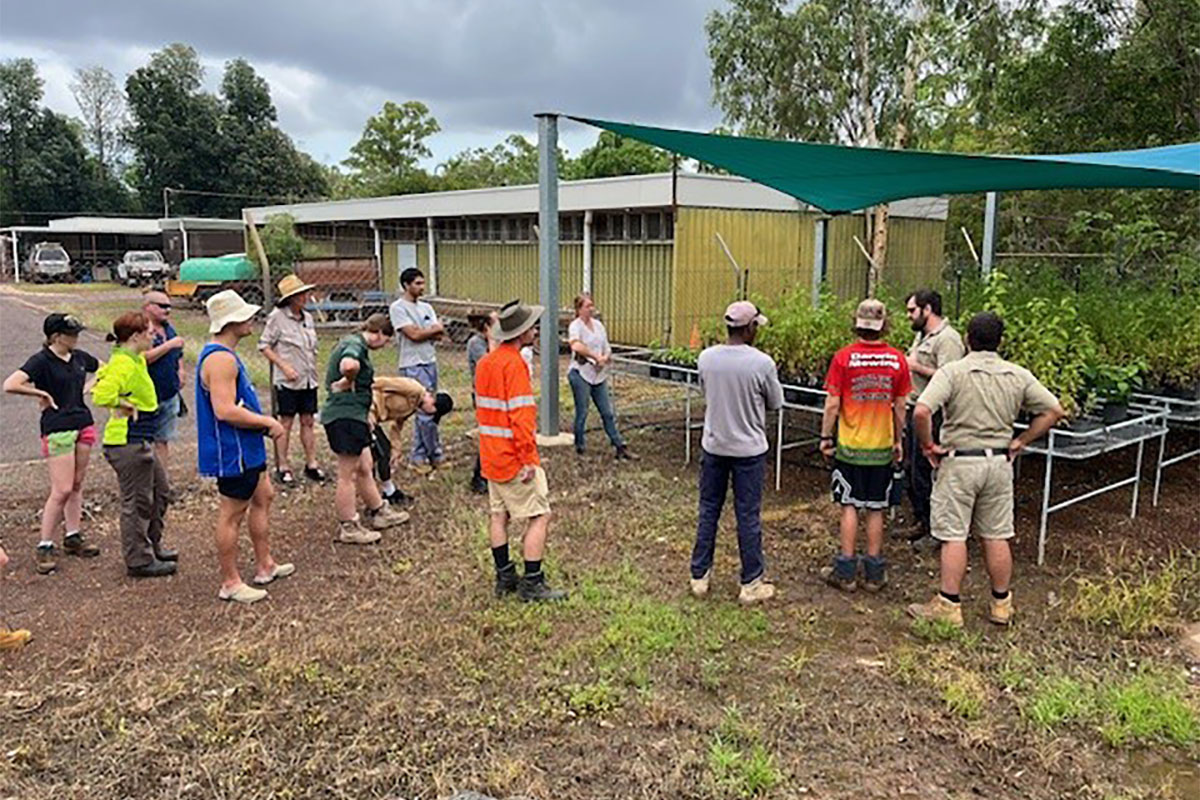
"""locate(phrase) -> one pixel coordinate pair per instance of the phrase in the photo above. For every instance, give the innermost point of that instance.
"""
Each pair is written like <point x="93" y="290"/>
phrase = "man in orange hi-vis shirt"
<point x="508" y="456"/>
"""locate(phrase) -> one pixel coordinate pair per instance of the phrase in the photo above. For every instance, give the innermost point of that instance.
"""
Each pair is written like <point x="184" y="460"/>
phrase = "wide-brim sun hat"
<point x="514" y="319"/>
<point x="227" y="307"/>
<point x="291" y="285"/>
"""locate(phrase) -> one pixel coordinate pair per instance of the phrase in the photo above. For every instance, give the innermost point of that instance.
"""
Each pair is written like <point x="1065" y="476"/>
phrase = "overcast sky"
<point x="482" y="66"/>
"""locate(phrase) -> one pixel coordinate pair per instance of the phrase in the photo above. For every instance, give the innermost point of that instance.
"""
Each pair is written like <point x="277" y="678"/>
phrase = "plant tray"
<point x="671" y="372"/>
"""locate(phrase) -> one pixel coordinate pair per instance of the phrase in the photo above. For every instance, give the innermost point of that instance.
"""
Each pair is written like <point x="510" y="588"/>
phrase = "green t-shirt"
<point x="355" y="404"/>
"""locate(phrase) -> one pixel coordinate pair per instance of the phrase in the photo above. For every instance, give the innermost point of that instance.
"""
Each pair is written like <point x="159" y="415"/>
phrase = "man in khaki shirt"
<point x="934" y="346"/>
<point x="981" y="395"/>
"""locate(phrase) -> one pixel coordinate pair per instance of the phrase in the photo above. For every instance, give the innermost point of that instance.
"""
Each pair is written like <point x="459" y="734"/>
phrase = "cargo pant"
<point x="144" y="496"/>
<point x="426" y="446"/>
<point x="918" y="470"/>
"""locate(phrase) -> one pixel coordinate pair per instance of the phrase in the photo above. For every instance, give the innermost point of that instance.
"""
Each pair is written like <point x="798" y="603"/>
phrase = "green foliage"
<point x="803" y="339"/>
<point x="965" y="695"/>
<point x="614" y="155"/>
<point x="512" y="163"/>
<point x="385" y="160"/>
<point x="282" y="244"/>
<point x="939" y="630"/>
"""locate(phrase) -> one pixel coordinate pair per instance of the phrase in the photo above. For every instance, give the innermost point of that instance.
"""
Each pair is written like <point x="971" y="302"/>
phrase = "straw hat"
<point x="515" y="318"/>
<point x="228" y="307"/>
<point x="291" y="285"/>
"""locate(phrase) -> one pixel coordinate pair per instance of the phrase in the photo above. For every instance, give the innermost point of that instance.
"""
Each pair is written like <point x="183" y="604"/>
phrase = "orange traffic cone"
<point x="694" y="342"/>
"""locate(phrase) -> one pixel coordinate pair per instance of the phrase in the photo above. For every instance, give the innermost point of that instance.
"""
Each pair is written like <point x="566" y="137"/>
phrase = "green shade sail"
<point x="837" y="178"/>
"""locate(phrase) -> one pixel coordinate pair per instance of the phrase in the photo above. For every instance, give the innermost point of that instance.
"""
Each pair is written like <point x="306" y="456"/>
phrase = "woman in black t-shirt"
<point x="56" y="375"/>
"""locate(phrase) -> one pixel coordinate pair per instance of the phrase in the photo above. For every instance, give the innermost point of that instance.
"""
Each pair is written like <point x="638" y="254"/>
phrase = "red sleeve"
<point x="522" y="413"/>
<point x="904" y="384"/>
<point x="836" y="375"/>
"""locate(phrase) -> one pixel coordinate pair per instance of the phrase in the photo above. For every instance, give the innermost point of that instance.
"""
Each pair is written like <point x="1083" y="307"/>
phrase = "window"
<point x="634" y="226"/>
<point x="654" y="225"/>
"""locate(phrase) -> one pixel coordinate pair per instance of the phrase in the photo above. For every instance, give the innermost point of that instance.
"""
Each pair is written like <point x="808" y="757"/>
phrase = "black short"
<point x="290" y="402"/>
<point x="348" y="437"/>
<point x="240" y="487"/>
<point x="861" y="486"/>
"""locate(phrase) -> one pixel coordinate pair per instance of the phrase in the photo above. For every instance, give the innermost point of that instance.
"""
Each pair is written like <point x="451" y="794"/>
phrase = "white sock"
<point x="45" y="543"/>
<point x="388" y="487"/>
<point x="70" y="534"/>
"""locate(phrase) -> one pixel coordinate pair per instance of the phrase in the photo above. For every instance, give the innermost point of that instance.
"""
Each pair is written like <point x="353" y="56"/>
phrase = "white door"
<point x="406" y="256"/>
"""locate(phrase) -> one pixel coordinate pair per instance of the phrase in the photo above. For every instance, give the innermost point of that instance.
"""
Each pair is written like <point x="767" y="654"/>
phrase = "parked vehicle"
<point x="201" y="278"/>
<point x="48" y="261"/>
<point x="143" y="266"/>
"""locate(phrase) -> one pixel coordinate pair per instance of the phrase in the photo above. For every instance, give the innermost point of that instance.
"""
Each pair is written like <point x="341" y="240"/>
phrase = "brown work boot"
<point x="938" y="609"/>
<point x="75" y="545"/>
<point x="14" y="640"/>
<point x="700" y="585"/>
<point x="46" y="563"/>
<point x="1001" y="611"/>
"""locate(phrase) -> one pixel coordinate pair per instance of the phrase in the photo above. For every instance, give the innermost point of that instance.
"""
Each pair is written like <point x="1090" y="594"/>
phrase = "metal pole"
<point x="1046" y="499"/>
<point x="433" y="276"/>
<point x="587" y="251"/>
<point x="1137" y="478"/>
<point x="378" y="252"/>
<point x="548" y="267"/>
<point x="16" y="258"/>
<point x="989" y="234"/>
<point x="1162" y="445"/>
<point x="687" y="423"/>
<point x="820" y="257"/>
<point x="779" y="451"/>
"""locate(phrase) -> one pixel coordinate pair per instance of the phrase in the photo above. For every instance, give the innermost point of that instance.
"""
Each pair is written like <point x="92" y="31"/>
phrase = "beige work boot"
<point x="700" y="585"/>
<point x="242" y="594"/>
<point x="756" y="591"/>
<point x="938" y="609"/>
<point x="386" y="517"/>
<point x="351" y="531"/>
<point x="14" y="640"/>
<point x="1001" y="611"/>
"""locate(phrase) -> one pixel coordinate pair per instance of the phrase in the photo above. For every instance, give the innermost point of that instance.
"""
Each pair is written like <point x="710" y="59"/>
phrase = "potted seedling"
<point x="1112" y="386"/>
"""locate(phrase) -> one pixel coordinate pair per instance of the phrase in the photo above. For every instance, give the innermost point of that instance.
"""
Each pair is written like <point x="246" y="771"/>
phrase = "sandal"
<point x="285" y="477"/>
<point x="315" y="474"/>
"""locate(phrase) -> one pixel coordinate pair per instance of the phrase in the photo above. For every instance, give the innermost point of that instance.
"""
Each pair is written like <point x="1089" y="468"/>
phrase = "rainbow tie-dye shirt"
<point x="868" y="377"/>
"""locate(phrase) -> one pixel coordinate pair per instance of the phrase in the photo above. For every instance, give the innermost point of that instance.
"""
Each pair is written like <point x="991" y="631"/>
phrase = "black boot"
<point x="155" y="569"/>
<point x="479" y="485"/>
<point x="506" y="580"/>
<point x="533" y="588"/>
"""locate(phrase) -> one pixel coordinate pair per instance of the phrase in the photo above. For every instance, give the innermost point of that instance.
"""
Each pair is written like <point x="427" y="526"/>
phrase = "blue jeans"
<point x="747" y="473"/>
<point x="426" y="446"/>
<point x="598" y="393"/>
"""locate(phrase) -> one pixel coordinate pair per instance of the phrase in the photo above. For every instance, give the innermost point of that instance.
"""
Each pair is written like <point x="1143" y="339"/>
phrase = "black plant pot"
<point x="1115" y="412"/>
<point x="669" y="373"/>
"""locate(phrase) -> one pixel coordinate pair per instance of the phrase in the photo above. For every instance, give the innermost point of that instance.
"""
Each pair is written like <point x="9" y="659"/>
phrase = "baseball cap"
<point x="61" y="323"/>
<point x="870" y="315"/>
<point x="443" y="404"/>
<point x="742" y="313"/>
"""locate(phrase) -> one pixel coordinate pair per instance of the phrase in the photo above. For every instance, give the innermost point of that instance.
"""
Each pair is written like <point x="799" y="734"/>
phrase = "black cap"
<point x="443" y="404"/>
<point x="61" y="323"/>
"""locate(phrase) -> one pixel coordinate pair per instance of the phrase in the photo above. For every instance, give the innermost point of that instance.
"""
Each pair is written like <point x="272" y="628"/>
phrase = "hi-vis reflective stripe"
<point x="496" y="404"/>
<point x="491" y="430"/>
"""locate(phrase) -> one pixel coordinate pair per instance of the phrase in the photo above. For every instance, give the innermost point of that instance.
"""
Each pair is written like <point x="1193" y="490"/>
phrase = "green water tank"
<point x="232" y="267"/>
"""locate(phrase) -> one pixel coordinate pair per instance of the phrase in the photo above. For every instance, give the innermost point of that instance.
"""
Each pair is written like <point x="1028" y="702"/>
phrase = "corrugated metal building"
<point x="646" y="246"/>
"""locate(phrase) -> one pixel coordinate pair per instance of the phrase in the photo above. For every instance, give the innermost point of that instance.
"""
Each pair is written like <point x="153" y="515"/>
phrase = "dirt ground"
<point x="391" y="672"/>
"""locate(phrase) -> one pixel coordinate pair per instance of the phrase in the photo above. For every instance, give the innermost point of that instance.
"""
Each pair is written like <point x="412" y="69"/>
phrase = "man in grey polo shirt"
<point x="740" y="383"/>
<point x="417" y="329"/>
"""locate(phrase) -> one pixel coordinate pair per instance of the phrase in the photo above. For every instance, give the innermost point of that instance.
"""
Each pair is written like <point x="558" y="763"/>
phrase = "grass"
<point x="739" y="765"/>
<point x="965" y="695"/>
<point x="939" y="630"/>
<point x="1150" y="707"/>
<point x="1142" y="604"/>
<point x="29" y="287"/>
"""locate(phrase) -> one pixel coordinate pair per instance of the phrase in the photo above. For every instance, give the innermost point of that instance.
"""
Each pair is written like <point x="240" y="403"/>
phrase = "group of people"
<point x="956" y="407"/>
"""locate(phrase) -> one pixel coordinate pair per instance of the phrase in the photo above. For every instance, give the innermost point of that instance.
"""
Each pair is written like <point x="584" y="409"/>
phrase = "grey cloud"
<point x="481" y="65"/>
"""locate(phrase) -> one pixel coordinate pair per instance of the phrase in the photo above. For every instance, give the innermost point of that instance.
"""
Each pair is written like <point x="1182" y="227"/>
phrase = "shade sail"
<point x="837" y="178"/>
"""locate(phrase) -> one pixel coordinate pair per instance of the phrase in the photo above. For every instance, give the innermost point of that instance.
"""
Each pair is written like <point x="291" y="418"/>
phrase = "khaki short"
<point x="973" y="494"/>
<point x="520" y="500"/>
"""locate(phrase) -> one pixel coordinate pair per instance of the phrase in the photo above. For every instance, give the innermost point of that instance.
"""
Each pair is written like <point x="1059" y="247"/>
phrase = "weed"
<point x="1144" y="604"/>
<point x="965" y="695"/>
<point x="939" y="630"/>
<point x="712" y="670"/>
<point x="591" y="699"/>
<point x="738" y="763"/>
<point x="797" y="661"/>
<point x="1149" y="708"/>
<point x="1058" y="700"/>
<point x="1016" y="672"/>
